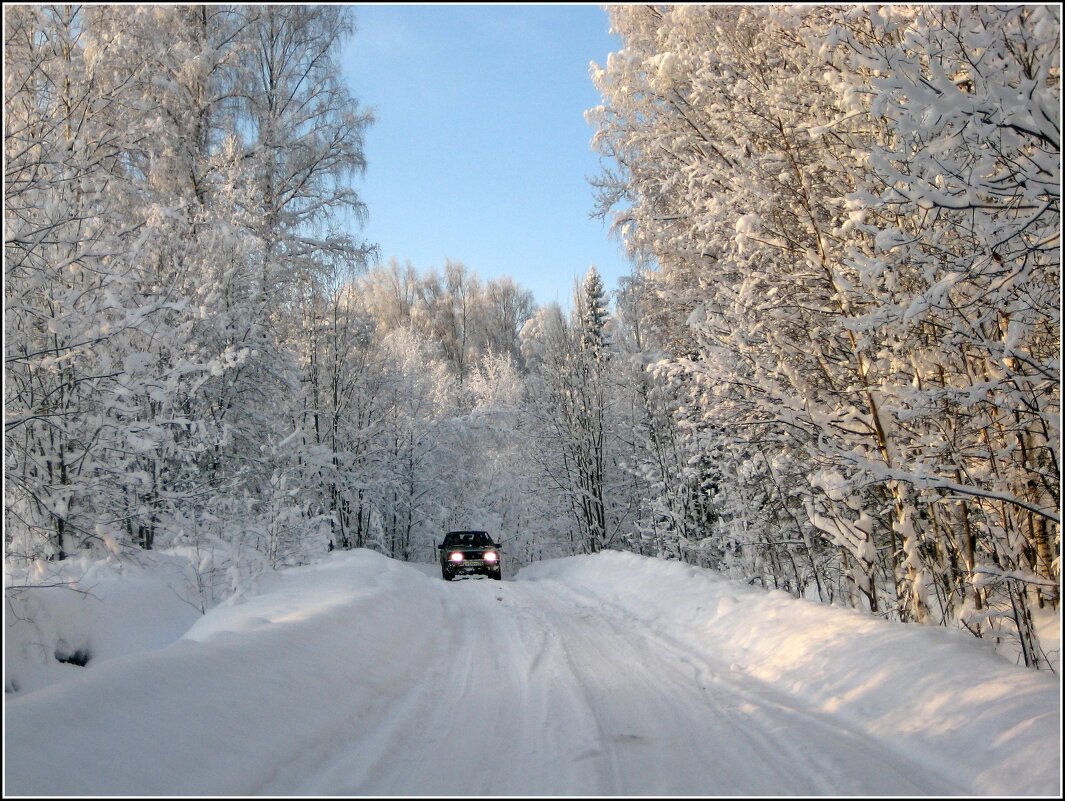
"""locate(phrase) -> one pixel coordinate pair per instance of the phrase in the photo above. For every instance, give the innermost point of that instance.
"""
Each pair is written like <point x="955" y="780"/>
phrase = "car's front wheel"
<point x="447" y="574"/>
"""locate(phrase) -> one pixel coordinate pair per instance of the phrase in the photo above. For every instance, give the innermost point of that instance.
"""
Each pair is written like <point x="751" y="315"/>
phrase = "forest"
<point x="834" y="370"/>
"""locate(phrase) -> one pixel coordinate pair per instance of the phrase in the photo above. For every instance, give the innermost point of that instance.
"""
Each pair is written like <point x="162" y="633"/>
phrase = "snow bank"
<point x="240" y="698"/>
<point x="958" y="706"/>
<point x="91" y="610"/>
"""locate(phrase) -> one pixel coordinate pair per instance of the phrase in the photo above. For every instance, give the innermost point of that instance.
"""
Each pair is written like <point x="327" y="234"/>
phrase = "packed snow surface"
<point x="595" y="675"/>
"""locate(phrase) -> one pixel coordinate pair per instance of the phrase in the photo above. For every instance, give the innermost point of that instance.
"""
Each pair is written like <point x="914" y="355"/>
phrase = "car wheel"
<point x="447" y="575"/>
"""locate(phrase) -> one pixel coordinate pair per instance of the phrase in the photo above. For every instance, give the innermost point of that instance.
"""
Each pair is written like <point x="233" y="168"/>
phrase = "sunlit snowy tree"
<point x="854" y="218"/>
<point x="152" y="349"/>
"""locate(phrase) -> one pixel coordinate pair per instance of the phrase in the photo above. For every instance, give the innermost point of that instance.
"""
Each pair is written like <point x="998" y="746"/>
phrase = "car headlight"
<point x="491" y="556"/>
<point x="455" y="557"/>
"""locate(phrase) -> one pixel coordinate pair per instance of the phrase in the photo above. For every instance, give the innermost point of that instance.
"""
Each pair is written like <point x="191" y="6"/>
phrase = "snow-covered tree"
<point x="570" y="397"/>
<point x="854" y="218"/>
<point x="152" y="349"/>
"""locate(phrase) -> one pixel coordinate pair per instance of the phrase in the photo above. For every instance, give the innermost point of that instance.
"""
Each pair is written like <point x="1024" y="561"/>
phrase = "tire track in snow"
<point x="538" y="688"/>
<point x="781" y="729"/>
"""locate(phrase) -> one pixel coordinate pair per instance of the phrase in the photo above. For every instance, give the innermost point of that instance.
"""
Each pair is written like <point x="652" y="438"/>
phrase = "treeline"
<point x="855" y="217"/>
<point x="196" y="357"/>
<point x="177" y="200"/>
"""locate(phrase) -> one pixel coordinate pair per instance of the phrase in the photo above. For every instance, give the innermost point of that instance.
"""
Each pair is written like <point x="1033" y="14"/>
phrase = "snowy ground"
<point x="612" y="674"/>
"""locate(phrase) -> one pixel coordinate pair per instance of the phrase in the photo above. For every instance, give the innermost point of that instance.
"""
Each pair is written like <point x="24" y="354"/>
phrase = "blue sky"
<point x="480" y="151"/>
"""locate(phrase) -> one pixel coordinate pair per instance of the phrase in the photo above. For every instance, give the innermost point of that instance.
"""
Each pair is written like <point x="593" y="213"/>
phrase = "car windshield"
<point x="472" y="538"/>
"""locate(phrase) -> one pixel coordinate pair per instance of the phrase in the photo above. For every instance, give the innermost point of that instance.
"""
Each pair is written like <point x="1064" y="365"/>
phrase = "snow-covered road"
<point x="363" y="676"/>
<point x="544" y="691"/>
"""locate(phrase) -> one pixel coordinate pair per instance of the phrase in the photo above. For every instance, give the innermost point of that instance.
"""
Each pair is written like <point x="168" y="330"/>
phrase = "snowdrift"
<point x="249" y="690"/>
<point x="90" y="612"/>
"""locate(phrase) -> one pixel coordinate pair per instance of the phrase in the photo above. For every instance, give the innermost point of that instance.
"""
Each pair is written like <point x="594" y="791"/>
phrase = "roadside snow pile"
<point x="255" y="687"/>
<point x="61" y="618"/>
<point x="960" y="708"/>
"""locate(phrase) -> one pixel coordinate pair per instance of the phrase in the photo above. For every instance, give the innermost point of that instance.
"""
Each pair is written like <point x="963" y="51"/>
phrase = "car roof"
<point x="468" y="537"/>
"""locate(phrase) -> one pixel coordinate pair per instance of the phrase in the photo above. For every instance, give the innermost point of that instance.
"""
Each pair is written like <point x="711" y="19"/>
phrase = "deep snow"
<point x="606" y="674"/>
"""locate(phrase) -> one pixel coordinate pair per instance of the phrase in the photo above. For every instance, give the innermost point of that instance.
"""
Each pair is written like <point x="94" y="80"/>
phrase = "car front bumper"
<point x="473" y="566"/>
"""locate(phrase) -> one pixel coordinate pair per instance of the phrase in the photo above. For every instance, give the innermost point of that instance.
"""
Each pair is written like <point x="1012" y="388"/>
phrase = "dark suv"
<point x="465" y="552"/>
